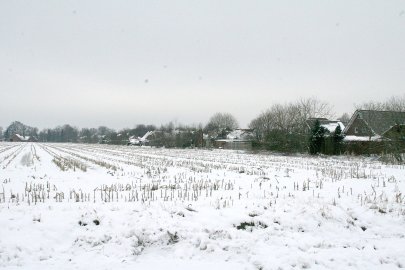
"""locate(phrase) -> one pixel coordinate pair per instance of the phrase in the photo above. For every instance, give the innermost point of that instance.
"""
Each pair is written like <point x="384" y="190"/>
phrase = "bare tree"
<point x="88" y="135"/>
<point x="283" y="127"/>
<point x="394" y="103"/>
<point x="344" y="118"/>
<point x="262" y="124"/>
<point x="222" y="121"/>
<point x="312" y="107"/>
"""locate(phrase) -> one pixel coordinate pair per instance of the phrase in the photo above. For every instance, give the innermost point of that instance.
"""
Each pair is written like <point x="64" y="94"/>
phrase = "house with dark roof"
<point x="374" y="130"/>
<point x="373" y="125"/>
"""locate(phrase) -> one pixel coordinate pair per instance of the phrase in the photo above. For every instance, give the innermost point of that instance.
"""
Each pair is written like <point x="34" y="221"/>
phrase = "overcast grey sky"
<point x="121" y="63"/>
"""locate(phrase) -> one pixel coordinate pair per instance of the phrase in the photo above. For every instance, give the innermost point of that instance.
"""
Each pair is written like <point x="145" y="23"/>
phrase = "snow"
<point x="140" y="140"/>
<point x="114" y="207"/>
<point x="362" y="138"/>
<point x="23" y="138"/>
<point x="239" y="135"/>
<point x="331" y="127"/>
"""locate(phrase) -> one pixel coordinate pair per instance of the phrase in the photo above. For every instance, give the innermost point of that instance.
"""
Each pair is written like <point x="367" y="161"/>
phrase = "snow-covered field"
<point x="72" y="206"/>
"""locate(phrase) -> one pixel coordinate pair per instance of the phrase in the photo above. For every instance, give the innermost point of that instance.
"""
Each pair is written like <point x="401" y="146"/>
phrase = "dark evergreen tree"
<point x="317" y="139"/>
<point x="338" y="137"/>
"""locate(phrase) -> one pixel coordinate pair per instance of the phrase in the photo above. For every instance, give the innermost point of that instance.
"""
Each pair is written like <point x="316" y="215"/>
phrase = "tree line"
<point x="282" y="128"/>
<point x="167" y="135"/>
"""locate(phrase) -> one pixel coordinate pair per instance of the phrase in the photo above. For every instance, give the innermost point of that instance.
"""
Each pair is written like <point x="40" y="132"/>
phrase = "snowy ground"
<point x="71" y="206"/>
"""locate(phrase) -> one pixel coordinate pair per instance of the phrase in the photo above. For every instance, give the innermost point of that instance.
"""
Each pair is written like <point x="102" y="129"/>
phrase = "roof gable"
<point x="380" y="121"/>
<point x="22" y="138"/>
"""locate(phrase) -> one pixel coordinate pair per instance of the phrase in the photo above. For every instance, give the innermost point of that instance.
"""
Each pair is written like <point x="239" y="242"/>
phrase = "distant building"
<point x="135" y="140"/>
<point x="371" y="131"/>
<point x="20" y="138"/>
<point x="372" y="125"/>
<point x="329" y="125"/>
<point x="239" y="139"/>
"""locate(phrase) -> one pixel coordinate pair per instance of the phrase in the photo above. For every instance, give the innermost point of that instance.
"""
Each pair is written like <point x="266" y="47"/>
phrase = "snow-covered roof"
<point x="136" y="140"/>
<point x="232" y="140"/>
<point x="351" y="138"/>
<point x="240" y="134"/>
<point x="331" y="127"/>
<point x="22" y="138"/>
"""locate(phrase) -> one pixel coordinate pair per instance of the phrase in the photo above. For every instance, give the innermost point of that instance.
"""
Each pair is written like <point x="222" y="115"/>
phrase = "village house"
<point x="371" y="131"/>
<point x="139" y="141"/>
<point x="329" y="125"/>
<point x="239" y="139"/>
<point x="20" y="138"/>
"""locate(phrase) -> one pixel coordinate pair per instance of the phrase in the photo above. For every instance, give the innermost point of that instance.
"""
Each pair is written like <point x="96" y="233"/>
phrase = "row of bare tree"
<point x="282" y="127"/>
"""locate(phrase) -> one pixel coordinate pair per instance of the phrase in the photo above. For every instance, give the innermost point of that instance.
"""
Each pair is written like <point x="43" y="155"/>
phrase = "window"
<point x="356" y="130"/>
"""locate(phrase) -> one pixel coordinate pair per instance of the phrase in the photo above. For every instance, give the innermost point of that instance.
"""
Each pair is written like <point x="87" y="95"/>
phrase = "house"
<point x="329" y="125"/>
<point x="20" y="138"/>
<point x="238" y="139"/>
<point x="135" y="140"/>
<point x="371" y="131"/>
<point x="373" y="125"/>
